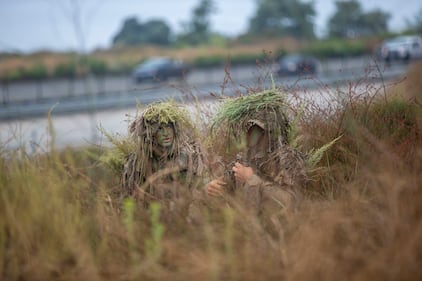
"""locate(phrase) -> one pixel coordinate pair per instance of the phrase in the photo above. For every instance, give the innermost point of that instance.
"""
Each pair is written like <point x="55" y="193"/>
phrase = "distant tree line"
<point x="135" y="33"/>
<point x="273" y="18"/>
<point x="196" y="31"/>
<point x="350" y="21"/>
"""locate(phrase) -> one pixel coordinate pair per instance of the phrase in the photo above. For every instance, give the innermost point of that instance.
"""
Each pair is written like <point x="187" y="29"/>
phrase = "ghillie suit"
<point x="279" y="170"/>
<point x="168" y="177"/>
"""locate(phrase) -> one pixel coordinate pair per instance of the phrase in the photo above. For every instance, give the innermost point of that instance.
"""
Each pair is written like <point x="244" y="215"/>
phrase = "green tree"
<point x="157" y="32"/>
<point x="349" y="20"/>
<point x="135" y="33"/>
<point x="198" y="30"/>
<point x="374" y="22"/>
<point x="283" y="18"/>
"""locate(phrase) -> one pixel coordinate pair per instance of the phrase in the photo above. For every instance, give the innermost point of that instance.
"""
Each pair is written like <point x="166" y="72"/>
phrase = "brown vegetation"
<point x="361" y="220"/>
<point x="116" y="57"/>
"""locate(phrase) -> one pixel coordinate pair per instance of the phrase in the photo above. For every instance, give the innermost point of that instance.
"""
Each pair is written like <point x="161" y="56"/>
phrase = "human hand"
<point x="242" y="173"/>
<point x="215" y="187"/>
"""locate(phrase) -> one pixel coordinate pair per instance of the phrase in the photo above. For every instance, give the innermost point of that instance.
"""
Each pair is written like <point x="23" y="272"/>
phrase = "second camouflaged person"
<point x="270" y="175"/>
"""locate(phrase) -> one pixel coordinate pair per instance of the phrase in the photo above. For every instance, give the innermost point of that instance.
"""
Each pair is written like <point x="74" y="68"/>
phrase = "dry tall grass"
<point x="361" y="220"/>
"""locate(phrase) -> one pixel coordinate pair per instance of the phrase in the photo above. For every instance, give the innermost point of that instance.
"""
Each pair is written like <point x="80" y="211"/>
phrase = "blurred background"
<point x="75" y="25"/>
<point x="90" y="62"/>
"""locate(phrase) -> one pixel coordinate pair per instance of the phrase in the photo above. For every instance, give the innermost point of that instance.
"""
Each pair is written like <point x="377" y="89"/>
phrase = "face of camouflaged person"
<point x="256" y="137"/>
<point x="165" y="135"/>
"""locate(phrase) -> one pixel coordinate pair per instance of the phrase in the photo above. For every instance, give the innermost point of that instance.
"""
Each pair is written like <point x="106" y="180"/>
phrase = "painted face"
<point x="165" y="135"/>
<point x="254" y="136"/>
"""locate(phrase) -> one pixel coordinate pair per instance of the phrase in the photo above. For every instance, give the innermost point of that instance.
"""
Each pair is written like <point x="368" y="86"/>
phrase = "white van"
<point x="402" y="48"/>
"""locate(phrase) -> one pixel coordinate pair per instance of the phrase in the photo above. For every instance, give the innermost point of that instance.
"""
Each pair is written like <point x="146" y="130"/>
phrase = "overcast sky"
<point x="31" y="25"/>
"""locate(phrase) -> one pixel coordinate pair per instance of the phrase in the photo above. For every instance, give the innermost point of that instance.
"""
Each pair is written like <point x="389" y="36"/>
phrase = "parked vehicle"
<point x="401" y="48"/>
<point x="160" y="69"/>
<point x="298" y="64"/>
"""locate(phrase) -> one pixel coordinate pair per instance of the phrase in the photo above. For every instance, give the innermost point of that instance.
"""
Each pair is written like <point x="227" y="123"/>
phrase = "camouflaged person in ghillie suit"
<point x="166" y="161"/>
<point x="270" y="175"/>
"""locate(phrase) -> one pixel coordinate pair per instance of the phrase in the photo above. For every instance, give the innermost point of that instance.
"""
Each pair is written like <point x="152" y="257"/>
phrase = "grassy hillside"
<point x="361" y="219"/>
<point x="122" y="59"/>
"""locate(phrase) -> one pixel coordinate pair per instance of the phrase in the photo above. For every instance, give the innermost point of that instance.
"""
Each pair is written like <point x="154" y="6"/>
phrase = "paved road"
<point x="31" y="99"/>
<point x="82" y="129"/>
<point x="77" y="118"/>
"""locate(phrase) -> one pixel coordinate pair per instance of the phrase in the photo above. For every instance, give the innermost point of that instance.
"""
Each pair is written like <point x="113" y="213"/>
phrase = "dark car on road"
<point x="160" y="69"/>
<point x="297" y="65"/>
